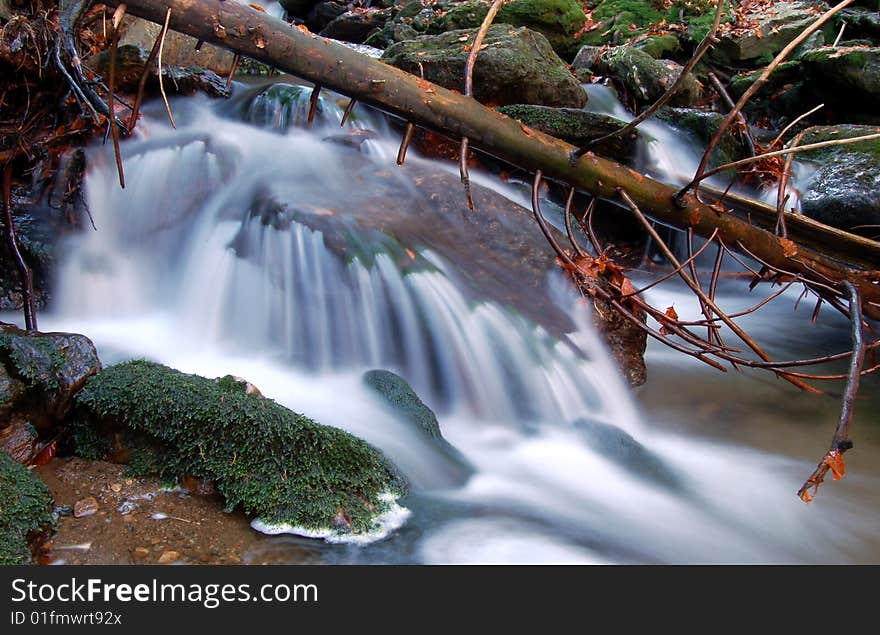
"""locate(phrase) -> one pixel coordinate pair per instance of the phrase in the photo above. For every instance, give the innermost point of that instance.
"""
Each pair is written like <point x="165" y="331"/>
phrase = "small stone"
<point x="168" y="557"/>
<point x="126" y="508"/>
<point x="140" y="553"/>
<point x="63" y="510"/>
<point x="85" y="507"/>
<point x="116" y="487"/>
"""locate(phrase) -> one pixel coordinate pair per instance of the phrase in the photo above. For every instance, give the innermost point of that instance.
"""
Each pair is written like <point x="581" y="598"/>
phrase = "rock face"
<point x="39" y="375"/>
<point x="578" y="127"/>
<point x="639" y="75"/>
<point x="25" y="511"/>
<point x="844" y="191"/>
<point x="274" y="463"/>
<point x="516" y="66"/>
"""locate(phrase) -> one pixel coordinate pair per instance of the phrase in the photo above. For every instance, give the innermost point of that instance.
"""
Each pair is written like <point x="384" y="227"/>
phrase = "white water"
<point x="180" y="272"/>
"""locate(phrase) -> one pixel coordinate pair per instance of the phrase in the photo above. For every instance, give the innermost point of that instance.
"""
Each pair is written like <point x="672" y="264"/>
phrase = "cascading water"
<point x="238" y="249"/>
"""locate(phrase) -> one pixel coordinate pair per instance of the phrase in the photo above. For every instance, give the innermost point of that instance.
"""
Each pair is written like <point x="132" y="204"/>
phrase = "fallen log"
<point x="827" y="260"/>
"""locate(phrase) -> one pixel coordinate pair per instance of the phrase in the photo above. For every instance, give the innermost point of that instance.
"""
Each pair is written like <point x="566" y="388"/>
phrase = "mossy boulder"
<point x="703" y="125"/>
<point x="517" y="65"/>
<point x="558" y="20"/>
<point x="769" y="31"/>
<point x="578" y="127"/>
<point x="40" y="373"/>
<point x="846" y="77"/>
<point x="25" y="512"/>
<point x="861" y="22"/>
<point x="641" y="77"/>
<point x="273" y="463"/>
<point x="783" y="94"/>
<point x="356" y="26"/>
<point x="844" y="191"/>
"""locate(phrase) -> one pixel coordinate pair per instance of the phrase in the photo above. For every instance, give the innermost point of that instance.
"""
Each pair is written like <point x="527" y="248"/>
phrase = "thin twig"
<point x="27" y="281"/>
<point x="839" y="33"/>
<point x="142" y="83"/>
<point x="704" y="46"/>
<point x="404" y="143"/>
<point x="725" y="97"/>
<point x="469" y="92"/>
<point x="675" y="271"/>
<point x="161" y="84"/>
<point x="841" y="442"/>
<point x="545" y="229"/>
<point x="111" y="85"/>
<point x="313" y="103"/>
<point x="751" y="90"/>
<point x="793" y="124"/>
<point x="348" y="110"/>
<point x="568" y="229"/>
<point x="235" y="60"/>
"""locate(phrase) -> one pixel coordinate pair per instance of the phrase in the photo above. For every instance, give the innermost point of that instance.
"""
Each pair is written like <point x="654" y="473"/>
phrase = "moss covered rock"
<point x="40" y="373"/>
<point x="643" y="78"/>
<point x="844" y="191"/>
<point x="618" y="21"/>
<point x="273" y="463"/>
<point x="25" y="511"/>
<point x="848" y="77"/>
<point x="516" y="66"/>
<point x="578" y="127"/>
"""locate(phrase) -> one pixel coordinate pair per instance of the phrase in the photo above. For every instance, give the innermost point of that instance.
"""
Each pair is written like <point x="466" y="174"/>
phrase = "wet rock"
<point x="25" y="512"/>
<point x="298" y="8"/>
<point x="51" y="366"/>
<point x="356" y="26"/>
<point x="323" y="14"/>
<point x="517" y="66"/>
<point x="619" y="21"/>
<point x="861" y="22"/>
<point x="281" y="106"/>
<point x="85" y="507"/>
<point x="260" y="455"/>
<point x="398" y="394"/>
<point x="844" y="191"/>
<point x="621" y="448"/>
<point x="578" y="127"/>
<point x="179" y="49"/>
<point x="641" y="77"/>
<point x="771" y="30"/>
<point x="703" y="125"/>
<point x="126" y="507"/>
<point x="130" y="62"/>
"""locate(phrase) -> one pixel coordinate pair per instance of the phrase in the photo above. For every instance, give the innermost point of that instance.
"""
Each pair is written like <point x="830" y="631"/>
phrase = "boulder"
<point x="356" y="26"/>
<point x="516" y="66"/>
<point x="846" y="77"/>
<point x="179" y="49"/>
<point x="25" y="512"/>
<point x="640" y="76"/>
<point x="40" y="373"/>
<point x="844" y="191"/>
<point x="323" y="13"/>
<point x="557" y="20"/>
<point x="273" y="463"/>
<point x="766" y="31"/>
<point x="578" y="127"/>
<point x="130" y="61"/>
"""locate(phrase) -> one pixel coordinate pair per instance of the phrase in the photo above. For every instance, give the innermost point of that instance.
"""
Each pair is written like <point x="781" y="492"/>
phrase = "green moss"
<point x="25" y="511"/>
<point x="818" y="134"/>
<point x="400" y="396"/>
<point x="274" y="463"/>
<point x="626" y="19"/>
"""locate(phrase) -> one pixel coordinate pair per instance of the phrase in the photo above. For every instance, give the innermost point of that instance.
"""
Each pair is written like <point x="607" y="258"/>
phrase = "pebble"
<point x="116" y="487"/>
<point x="85" y="507"/>
<point x="168" y="557"/>
<point x="64" y="510"/>
<point x="126" y="508"/>
<point x="140" y="553"/>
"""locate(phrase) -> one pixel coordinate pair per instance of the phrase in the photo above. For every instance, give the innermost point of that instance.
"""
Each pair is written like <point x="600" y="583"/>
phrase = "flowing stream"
<point x="240" y="246"/>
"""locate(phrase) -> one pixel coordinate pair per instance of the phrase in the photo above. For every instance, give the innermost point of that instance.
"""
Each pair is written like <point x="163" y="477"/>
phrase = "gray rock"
<point x="356" y="27"/>
<point x="516" y="66"/>
<point x="844" y="191"/>
<point x="846" y="76"/>
<point x="645" y="79"/>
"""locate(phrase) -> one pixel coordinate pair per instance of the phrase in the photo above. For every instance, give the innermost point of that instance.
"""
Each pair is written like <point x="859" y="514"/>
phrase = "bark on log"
<point x="270" y="40"/>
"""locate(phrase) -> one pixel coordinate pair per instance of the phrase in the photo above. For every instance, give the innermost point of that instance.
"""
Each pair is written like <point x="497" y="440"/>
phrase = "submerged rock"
<point x="578" y="127"/>
<point x="275" y="464"/>
<point x="703" y="125"/>
<point x="619" y="447"/>
<point x="516" y="66"/>
<point x="25" y="512"/>
<point x="844" y="191"/>
<point x="400" y="396"/>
